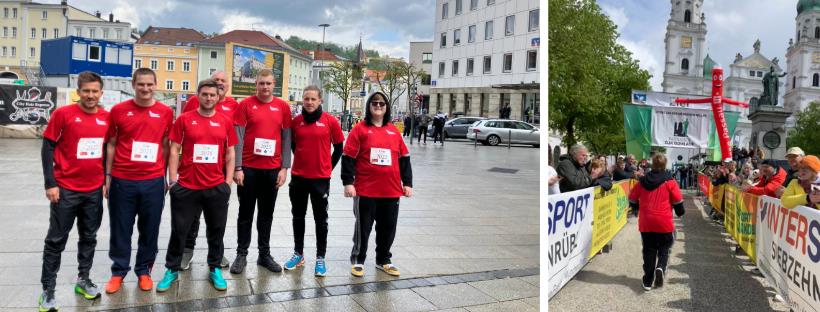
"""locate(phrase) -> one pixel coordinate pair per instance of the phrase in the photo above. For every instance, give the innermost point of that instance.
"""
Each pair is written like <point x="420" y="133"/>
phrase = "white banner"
<point x="569" y="233"/>
<point x="788" y="252"/>
<point x="667" y="99"/>
<point x="680" y="127"/>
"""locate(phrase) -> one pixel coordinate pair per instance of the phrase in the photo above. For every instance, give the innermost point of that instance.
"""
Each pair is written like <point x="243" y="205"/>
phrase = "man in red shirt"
<point x="135" y="162"/>
<point x="773" y="177"/>
<point x="314" y="132"/>
<point x="206" y="139"/>
<point x="72" y="157"/>
<point x="225" y="105"/>
<point x="262" y="161"/>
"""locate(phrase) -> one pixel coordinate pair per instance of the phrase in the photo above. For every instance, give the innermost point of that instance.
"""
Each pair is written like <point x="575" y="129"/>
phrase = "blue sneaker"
<point x="217" y="280"/>
<point x="167" y="280"/>
<point x="296" y="260"/>
<point x="321" y="269"/>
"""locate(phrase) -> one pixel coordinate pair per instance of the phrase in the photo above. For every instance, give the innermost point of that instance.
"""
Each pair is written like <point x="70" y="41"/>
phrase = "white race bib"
<point x="264" y="147"/>
<point x="144" y="151"/>
<point x="206" y="153"/>
<point x="380" y="156"/>
<point x="89" y="148"/>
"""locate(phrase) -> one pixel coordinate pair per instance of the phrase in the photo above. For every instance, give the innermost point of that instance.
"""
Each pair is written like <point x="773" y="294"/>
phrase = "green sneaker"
<point x="47" y="301"/>
<point x="217" y="280"/>
<point x="86" y="288"/>
<point x="167" y="280"/>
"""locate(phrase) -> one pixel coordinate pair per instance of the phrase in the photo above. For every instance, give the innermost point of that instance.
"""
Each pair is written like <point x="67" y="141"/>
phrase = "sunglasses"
<point x="378" y="103"/>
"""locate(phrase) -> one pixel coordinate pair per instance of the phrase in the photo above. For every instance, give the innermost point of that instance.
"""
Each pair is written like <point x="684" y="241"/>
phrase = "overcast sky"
<point x="385" y="25"/>
<point x="732" y="26"/>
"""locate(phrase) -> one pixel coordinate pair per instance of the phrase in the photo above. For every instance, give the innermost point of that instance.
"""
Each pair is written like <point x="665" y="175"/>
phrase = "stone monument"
<point x="768" y="119"/>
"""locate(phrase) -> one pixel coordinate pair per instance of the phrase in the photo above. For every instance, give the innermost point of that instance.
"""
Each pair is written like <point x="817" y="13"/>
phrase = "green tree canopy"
<point x="806" y="129"/>
<point x="348" y="52"/>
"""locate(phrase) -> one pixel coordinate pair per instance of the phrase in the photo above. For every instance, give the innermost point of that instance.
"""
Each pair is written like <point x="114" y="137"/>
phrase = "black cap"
<point x="769" y="162"/>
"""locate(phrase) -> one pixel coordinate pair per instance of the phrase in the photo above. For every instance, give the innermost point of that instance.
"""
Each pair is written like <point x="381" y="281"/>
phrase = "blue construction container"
<point x="73" y="55"/>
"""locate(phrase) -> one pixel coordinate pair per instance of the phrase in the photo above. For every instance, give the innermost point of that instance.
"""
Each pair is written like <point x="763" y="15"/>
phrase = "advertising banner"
<point x="740" y="212"/>
<point x="609" y="214"/>
<point x="683" y="128"/>
<point x="26" y="105"/>
<point x="569" y="232"/>
<point x="716" y="197"/>
<point x="245" y="62"/>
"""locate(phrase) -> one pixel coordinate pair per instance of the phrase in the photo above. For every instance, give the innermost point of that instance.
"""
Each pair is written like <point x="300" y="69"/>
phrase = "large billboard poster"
<point x="26" y="105"/>
<point x="245" y="63"/>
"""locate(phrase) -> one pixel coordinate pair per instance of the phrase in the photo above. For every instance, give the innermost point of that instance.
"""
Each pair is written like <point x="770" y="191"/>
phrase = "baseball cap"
<point x="795" y="151"/>
<point x="811" y="162"/>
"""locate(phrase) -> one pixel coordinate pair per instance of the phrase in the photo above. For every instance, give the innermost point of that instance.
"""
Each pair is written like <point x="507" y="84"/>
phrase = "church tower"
<point x="685" y="48"/>
<point x="803" y="58"/>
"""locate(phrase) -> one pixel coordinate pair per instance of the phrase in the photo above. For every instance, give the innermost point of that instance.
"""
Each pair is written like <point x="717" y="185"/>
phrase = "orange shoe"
<point x="146" y="283"/>
<point x="114" y="284"/>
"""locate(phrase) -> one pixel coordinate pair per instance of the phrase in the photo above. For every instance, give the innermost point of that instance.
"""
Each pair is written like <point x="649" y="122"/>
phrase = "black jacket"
<point x="573" y="176"/>
<point x="604" y="181"/>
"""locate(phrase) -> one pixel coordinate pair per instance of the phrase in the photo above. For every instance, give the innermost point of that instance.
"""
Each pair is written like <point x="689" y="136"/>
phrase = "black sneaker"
<point x="267" y="262"/>
<point x="647" y="282"/>
<point x="658" y="277"/>
<point x="239" y="265"/>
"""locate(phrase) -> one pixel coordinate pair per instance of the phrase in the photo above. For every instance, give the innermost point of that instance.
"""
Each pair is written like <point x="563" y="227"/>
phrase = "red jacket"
<point x="769" y="186"/>
<point x="655" y="196"/>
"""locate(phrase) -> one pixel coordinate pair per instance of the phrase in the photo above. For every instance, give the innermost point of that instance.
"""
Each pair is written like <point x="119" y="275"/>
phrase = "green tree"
<point x="341" y="79"/>
<point x="390" y="81"/>
<point x="343" y="51"/>
<point x="590" y="76"/>
<point x="807" y="126"/>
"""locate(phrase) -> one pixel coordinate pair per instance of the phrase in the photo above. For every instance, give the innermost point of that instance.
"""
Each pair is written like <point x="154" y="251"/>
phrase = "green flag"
<point x="714" y="142"/>
<point x="638" y="130"/>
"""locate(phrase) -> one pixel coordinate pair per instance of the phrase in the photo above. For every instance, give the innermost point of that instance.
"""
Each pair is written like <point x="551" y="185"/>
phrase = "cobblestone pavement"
<point x="464" y="218"/>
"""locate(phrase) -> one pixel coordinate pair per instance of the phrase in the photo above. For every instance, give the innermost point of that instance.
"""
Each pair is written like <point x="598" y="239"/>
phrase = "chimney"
<point x="64" y="2"/>
<point x="278" y="37"/>
<point x="98" y="14"/>
<point x="111" y="17"/>
<point x="327" y="49"/>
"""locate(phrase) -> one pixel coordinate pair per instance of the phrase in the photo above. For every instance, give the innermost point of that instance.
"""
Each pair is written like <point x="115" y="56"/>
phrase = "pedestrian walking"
<point x="423" y="120"/>
<point x="438" y="128"/>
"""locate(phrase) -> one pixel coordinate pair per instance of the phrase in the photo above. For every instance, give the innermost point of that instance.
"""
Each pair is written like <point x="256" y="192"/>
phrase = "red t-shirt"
<point x="227" y="106"/>
<point x="263" y="122"/>
<point x="204" y="141"/>
<point x="313" y="142"/>
<point x="377" y="151"/>
<point x="80" y="137"/>
<point x="139" y="132"/>
<point x="655" y="206"/>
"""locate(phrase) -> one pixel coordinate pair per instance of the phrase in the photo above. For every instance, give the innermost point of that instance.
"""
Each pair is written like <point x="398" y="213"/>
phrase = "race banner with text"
<point x="740" y="212"/>
<point x="788" y="252"/>
<point x="716" y="197"/>
<point x="609" y="214"/>
<point x="680" y="127"/>
<point x="704" y="183"/>
<point x="569" y="233"/>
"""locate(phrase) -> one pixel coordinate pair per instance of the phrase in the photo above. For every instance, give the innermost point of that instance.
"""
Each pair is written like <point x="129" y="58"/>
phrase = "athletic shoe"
<point x="268" y="262"/>
<point x="167" y="280"/>
<point x="86" y="288"/>
<point x="388" y="268"/>
<point x="225" y="263"/>
<point x="146" y="283"/>
<point x="217" y="280"/>
<point x="114" y="284"/>
<point x="295" y="261"/>
<point x="647" y="282"/>
<point x="658" y="277"/>
<point x="239" y="265"/>
<point x="321" y="269"/>
<point x="47" y="301"/>
<point x="187" y="258"/>
<point x="357" y="270"/>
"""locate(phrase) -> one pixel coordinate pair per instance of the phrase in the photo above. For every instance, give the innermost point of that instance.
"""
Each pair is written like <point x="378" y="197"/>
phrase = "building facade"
<point x="171" y="53"/>
<point x="421" y="57"/>
<point x="485" y="56"/>
<point x="803" y="58"/>
<point x="94" y="26"/>
<point x="685" y="49"/>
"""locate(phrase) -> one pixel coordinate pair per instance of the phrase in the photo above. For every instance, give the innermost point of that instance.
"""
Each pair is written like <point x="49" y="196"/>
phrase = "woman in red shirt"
<point x="376" y="172"/>
<point x="656" y="195"/>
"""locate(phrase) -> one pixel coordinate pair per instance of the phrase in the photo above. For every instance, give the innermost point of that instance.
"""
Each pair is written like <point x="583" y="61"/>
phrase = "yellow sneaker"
<point x="357" y="270"/>
<point x="389" y="269"/>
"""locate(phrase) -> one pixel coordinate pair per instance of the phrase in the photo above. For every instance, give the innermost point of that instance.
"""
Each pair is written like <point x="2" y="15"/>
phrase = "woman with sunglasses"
<point x="376" y="172"/>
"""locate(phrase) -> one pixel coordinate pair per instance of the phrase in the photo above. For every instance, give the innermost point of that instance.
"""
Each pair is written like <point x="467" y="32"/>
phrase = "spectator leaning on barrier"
<point x="794" y="155"/>
<point x="772" y="177"/>
<point x="801" y="191"/>
<point x="620" y="171"/>
<point x="746" y="173"/>
<point x="726" y="174"/>
<point x="654" y="198"/>
<point x="597" y="167"/>
<point x="573" y="174"/>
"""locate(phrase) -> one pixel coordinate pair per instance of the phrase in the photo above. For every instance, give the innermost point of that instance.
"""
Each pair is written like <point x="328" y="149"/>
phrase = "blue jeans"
<point x="128" y="199"/>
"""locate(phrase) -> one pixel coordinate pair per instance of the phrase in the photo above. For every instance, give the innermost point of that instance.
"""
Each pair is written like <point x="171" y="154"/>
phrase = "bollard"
<point x="475" y="143"/>
<point x="509" y="138"/>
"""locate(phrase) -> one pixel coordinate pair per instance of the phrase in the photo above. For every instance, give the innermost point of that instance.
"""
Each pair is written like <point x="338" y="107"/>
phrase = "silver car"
<point x="497" y="131"/>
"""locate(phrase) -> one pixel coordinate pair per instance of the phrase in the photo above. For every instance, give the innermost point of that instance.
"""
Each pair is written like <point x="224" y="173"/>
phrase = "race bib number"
<point x="264" y="147"/>
<point x="144" y="151"/>
<point x="380" y="156"/>
<point x="206" y="153"/>
<point x="89" y="148"/>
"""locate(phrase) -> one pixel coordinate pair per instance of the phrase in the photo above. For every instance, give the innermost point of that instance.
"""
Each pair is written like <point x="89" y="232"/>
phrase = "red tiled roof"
<point x="320" y="55"/>
<point x="170" y="36"/>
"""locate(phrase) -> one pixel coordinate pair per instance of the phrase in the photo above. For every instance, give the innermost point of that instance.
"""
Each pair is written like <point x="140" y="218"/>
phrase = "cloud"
<point x="617" y="15"/>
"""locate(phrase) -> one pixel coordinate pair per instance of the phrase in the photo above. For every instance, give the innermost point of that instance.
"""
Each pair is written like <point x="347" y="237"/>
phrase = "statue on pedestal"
<point x="771" y="84"/>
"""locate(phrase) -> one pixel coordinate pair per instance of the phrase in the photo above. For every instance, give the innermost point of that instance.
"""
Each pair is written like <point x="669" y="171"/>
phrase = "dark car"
<point x="456" y="127"/>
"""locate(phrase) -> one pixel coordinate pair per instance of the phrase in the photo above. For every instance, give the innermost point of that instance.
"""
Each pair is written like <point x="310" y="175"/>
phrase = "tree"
<point x="341" y="79"/>
<point x="390" y="81"/>
<point x="807" y="126"/>
<point x="590" y="76"/>
<point x="344" y="51"/>
<point x="410" y="75"/>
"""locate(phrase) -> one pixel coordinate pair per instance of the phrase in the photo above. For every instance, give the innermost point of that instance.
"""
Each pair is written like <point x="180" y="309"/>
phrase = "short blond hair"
<point x="659" y="162"/>
<point x="264" y="73"/>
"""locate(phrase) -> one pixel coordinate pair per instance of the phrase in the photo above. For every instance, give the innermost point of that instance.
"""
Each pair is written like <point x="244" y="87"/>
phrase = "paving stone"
<point x="507" y="306"/>
<point x="204" y="289"/>
<point x="337" y="303"/>
<point x="404" y="300"/>
<point x="506" y="289"/>
<point x="532" y="301"/>
<point x="451" y="296"/>
<point x="534" y="280"/>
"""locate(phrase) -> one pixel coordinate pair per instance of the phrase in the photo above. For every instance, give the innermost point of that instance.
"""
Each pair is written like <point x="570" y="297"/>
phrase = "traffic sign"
<point x="362" y="93"/>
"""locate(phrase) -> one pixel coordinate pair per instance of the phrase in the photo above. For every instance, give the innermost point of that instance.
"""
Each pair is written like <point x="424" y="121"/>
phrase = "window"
<point x="533" y="20"/>
<point x="507" y="63"/>
<point x="523" y="126"/>
<point x="5" y="50"/>
<point x="91" y="32"/>
<point x="14" y="12"/>
<point x="111" y="55"/>
<point x="687" y="16"/>
<point x="793" y="80"/>
<point x="125" y="56"/>
<point x="186" y="66"/>
<point x="5" y="32"/>
<point x="32" y="52"/>
<point x="211" y="71"/>
<point x="473" y="4"/>
<point x="78" y="31"/>
<point x="13" y="51"/>
<point x="470" y="65"/>
<point x="815" y="80"/>
<point x="440" y="69"/>
<point x="425" y="79"/>
<point x="169" y="84"/>
<point x="94" y="53"/>
<point x="751" y="73"/>
<point x="456" y="37"/>
<point x="78" y="51"/>
<point x="532" y="60"/>
<point x="56" y="32"/>
<point x="443" y="42"/>
<point x="185" y="85"/>
<point x="45" y="33"/>
<point x="105" y="33"/>
<point x="5" y="12"/>
<point x="119" y="34"/>
<point x="488" y="64"/>
<point x="137" y="63"/>
<point x="455" y="68"/>
<point x="444" y="10"/>
<point x="471" y="34"/>
<point x="154" y="64"/>
<point x="427" y="57"/>
<point x="490" y="2"/>
<point x="684" y="65"/>
<point x="169" y="65"/>
<point x="509" y="25"/>
<point x="458" y="7"/>
<point x="45" y="14"/>
<point x="213" y="54"/>
<point x="33" y="33"/>
<point x="488" y="30"/>
<point x="760" y="74"/>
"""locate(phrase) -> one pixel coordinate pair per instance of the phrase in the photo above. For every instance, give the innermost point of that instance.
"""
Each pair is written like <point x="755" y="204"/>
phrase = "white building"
<point x="421" y="56"/>
<point x="485" y="54"/>
<point x="803" y="58"/>
<point x="84" y="24"/>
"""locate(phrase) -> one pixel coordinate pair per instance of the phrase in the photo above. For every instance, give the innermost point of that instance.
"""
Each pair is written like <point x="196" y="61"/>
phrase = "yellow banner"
<point x="739" y="218"/>
<point x="716" y="197"/>
<point x="610" y="212"/>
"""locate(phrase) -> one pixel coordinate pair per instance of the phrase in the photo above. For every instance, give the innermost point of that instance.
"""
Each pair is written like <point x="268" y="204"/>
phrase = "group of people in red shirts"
<point x="137" y="152"/>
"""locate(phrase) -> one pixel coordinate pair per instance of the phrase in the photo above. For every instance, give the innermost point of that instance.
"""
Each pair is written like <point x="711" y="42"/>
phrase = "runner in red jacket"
<point x="656" y="195"/>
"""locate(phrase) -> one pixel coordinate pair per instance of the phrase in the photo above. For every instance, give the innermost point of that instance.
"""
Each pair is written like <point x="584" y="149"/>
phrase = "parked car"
<point x="497" y="131"/>
<point x="456" y="127"/>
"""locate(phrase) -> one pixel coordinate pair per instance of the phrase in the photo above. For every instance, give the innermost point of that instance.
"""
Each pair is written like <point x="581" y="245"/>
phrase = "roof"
<point x="812" y="5"/>
<point x="708" y="64"/>
<point x="170" y="36"/>
<point x="320" y="55"/>
<point x="255" y="38"/>
<point x="376" y="74"/>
